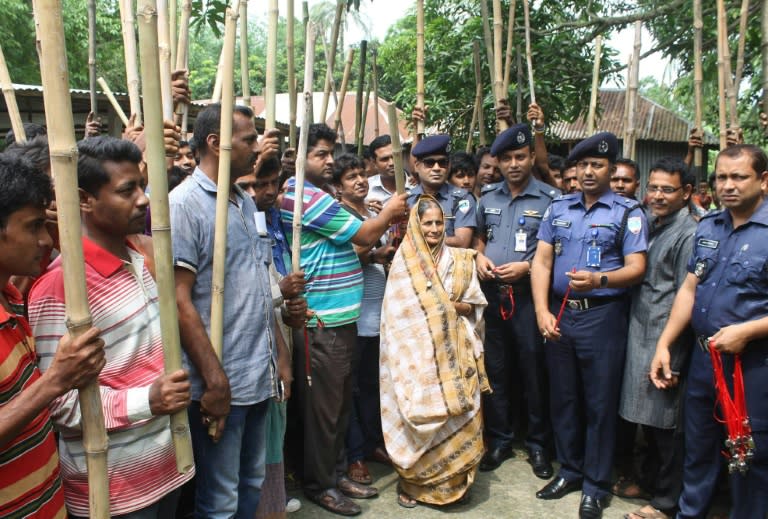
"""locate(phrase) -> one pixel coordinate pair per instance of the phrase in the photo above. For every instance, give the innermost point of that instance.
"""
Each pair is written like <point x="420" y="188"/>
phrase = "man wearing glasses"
<point x="672" y="228"/>
<point x="431" y="164"/>
<point x="591" y="250"/>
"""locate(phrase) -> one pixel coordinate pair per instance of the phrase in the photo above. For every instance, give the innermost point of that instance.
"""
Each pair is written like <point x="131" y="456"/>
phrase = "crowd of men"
<point x="605" y="317"/>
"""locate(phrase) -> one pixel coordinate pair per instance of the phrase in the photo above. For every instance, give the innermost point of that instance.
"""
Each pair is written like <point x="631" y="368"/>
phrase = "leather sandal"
<point x="404" y="499"/>
<point x="333" y="501"/>
<point x="647" y="512"/>
<point x="355" y="490"/>
<point x="358" y="472"/>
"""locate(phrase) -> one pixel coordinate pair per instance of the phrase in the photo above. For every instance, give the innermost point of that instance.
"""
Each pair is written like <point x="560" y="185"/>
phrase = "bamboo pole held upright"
<point x="291" y="50"/>
<point x="92" y="55"/>
<point x="173" y="28"/>
<point x="528" y="56"/>
<point x="245" y="86"/>
<point x="488" y="41"/>
<point x="271" y="90"/>
<point x="164" y="46"/>
<point x="630" y="138"/>
<point x="375" y="79"/>
<point x="182" y="59"/>
<point x="510" y="38"/>
<point x="498" y="72"/>
<point x="359" y="96"/>
<point x="331" y="61"/>
<point x="161" y="220"/>
<point x="397" y="149"/>
<point x="698" y="76"/>
<point x="471" y="131"/>
<point x="363" y="121"/>
<point x="730" y="88"/>
<point x="131" y="63"/>
<point x="742" y="43"/>
<point x="595" y="85"/>
<point x="10" y="100"/>
<point x="722" y="111"/>
<point x="479" y="91"/>
<point x="223" y="186"/>
<point x="115" y="105"/>
<point x="63" y="150"/>
<point x="343" y="91"/>
<point x="420" y="63"/>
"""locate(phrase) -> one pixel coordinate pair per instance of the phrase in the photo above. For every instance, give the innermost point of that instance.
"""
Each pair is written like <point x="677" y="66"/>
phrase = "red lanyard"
<point x="740" y="445"/>
<point x="565" y="300"/>
<point x="510" y="295"/>
<point x="307" y="363"/>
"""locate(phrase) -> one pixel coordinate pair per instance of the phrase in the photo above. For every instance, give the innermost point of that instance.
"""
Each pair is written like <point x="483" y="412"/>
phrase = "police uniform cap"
<point x="513" y="138"/>
<point x="432" y="145"/>
<point x="602" y="145"/>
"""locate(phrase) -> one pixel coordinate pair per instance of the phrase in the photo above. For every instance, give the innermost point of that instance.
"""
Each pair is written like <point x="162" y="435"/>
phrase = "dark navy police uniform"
<point x="586" y="364"/>
<point x="459" y="206"/>
<point x="732" y="270"/>
<point x="514" y="347"/>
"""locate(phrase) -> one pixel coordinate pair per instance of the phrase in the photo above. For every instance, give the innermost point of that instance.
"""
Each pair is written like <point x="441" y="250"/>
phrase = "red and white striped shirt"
<point x="124" y="306"/>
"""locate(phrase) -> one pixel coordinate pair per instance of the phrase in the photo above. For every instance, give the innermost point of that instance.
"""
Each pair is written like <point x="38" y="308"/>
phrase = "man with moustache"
<point x="508" y="218"/>
<point x="591" y="250"/>
<point x="625" y="180"/>
<point x="723" y="298"/>
<point x="570" y="179"/>
<point x="672" y="227"/>
<point x="382" y="183"/>
<point x="233" y="392"/>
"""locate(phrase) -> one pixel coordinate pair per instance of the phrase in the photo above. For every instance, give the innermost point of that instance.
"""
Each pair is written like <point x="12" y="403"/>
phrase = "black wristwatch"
<point x="603" y="281"/>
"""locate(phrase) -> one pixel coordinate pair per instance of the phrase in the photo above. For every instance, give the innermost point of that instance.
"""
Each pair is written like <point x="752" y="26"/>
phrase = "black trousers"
<point x="326" y="403"/>
<point x="663" y="467"/>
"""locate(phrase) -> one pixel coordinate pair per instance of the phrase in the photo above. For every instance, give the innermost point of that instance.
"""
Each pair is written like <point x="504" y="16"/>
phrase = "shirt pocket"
<point x="492" y="226"/>
<point x="263" y="250"/>
<point x="747" y="270"/>
<point x="603" y="237"/>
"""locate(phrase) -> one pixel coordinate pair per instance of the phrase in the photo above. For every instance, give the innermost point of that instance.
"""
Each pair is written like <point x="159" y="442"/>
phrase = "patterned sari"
<point x="432" y="370"/>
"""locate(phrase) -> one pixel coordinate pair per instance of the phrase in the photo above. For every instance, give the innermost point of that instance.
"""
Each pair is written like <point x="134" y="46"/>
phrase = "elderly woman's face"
<point x="432" y="226"/>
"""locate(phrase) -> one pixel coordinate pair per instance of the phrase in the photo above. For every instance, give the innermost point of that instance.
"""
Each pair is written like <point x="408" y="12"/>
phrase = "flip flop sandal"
<point x="332" y="501"/>
<point x="640" y="512"/>
<point x="404" y="499"/>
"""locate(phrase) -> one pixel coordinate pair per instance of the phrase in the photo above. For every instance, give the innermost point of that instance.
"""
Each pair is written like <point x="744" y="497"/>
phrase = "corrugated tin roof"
<point x="653" y="121"/>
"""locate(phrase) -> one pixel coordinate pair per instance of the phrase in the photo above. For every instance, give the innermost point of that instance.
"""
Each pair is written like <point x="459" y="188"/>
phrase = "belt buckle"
<point x="703" y="343"/>
<point x="575" y="304"/>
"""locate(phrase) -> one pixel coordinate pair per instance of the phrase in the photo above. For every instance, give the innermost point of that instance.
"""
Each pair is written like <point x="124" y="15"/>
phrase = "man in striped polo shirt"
<point x="136" y="394"/>
<point x="30" y="482"/>
<point x="334" y="291"/>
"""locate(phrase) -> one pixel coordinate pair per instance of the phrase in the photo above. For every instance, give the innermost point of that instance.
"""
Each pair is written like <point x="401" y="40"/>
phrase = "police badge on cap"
<point x="516" y="137"/>
<point x="602" y="145"/>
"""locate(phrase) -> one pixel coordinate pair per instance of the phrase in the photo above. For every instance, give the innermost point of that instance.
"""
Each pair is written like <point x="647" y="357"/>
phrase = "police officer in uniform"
<point x="591" y="249"/>
<point x="508" y="219"/>
<point x="432" y="165"/>
<point x="725" y="300"/>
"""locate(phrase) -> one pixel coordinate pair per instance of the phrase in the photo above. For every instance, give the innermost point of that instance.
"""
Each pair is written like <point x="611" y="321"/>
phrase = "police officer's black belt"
<point x="591" y="302"/>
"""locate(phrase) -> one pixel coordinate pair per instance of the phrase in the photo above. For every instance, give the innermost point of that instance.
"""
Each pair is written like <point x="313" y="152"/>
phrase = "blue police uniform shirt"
<point x="572" y="229"/>
<point x="499" y="218"/>
<point x="459" y="207"/>
<point x="281" y="249"/>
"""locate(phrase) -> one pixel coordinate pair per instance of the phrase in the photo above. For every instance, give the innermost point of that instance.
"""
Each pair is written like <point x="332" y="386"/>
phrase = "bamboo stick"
<point x="161" y="221"/>
<point x="363" y="121"/>
<point x="223" y="186"/>
<point x="332" y="58"/>
<point x="305" y="15"/>
<point x="595" y="85"/>
<point x="519" y="90"/>
<point x="131" y="65"/>
<point x="528" y="55"/>
<point x="742" y="42"/>
<point x="764" y="52"/>
<point x="420" y="63"/>
<point x="698" y="77"/>
<point x="182" y="59"/>
<point x="63" y="151"/>
<point x="498" y="73"/>
<point x="10" y="100"/>
<point x="397" y="148"/>
<point x="172" y="28"/>
<point x="164" y="46"/>
<point x="216" y="96"/>
<point x="510" y="38"/>
<point x="115" y="105"/>
<point x="634" y="78"/>
<point x="359" y="96"/>
<point x="343" y="91"/>
<point x="245" y="85"/>
<point x="333" y="92"/>
<point x="730" y="88"/>
<point x="488" y="40"/>
<point x="375" y="79"/>
<point x="722" y="111"/>
<point x="92" y="56"/>
<point x="290" y="49"/>
<point x="478" y="91"/>
<point x="472" y="123"/>
<point x="301" y="154"/>
<point x="271" y="90"/>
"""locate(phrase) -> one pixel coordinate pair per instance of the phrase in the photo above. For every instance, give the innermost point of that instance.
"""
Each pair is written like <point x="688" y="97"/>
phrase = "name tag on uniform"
<point x="521" y="241"/>
<point x="561" y="223"/>
<point x="492" y="210"/>
<point x="709" y="244"/>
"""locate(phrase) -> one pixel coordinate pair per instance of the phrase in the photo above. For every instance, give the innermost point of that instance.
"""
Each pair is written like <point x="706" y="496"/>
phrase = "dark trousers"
<point x="663" y="467"/>
<point x="326" y="403"/>
<point x="516" y="365"/>
<point x="585" y="368"/>
<point x="365" y="433"/>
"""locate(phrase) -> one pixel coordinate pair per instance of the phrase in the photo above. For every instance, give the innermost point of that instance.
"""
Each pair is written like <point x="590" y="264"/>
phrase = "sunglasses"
<point x="430" y="163"/>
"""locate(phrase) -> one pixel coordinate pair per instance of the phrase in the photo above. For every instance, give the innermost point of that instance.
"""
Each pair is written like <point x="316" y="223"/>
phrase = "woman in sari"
<point x="432" y="370"/>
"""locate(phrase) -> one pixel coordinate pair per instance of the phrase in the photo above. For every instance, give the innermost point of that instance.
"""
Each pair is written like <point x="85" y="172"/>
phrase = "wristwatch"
<point x="603" y="281"/>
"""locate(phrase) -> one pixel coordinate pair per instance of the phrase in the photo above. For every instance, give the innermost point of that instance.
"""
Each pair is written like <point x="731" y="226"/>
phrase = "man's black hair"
<point x="183" y="144"/>
<point x="176" y="176"/>
<point x="758" y="159"/>
<point x="93" y="152"/>
<point x="31" y="131"/>
<point x="269" y="167"/>
<point x="35" y="150"/>
<point x="461" y="161"/>
<point x="379" y="142"/>
<point x="344" y="163"/>
<point x="208" y="122"/>
<point x="556" y="162"/>
<point x="481" y="152"/>
<point x="630" y="164"/>
<point x="21" y="185"/>
<point x="675" y="166"/>
<point x="320" y="132"/>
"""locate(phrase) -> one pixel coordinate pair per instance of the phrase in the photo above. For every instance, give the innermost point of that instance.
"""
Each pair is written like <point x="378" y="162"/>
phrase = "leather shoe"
<point x="542" y="468"/>
<point x="590" y="507"/>
<point x="355" y="490"/>
<point x="358" y="471"/>
<point x="379" y="455"/>
<point x="493" y="458"/>
<point x="558" y="488"/>
<point x="333" y="501"/>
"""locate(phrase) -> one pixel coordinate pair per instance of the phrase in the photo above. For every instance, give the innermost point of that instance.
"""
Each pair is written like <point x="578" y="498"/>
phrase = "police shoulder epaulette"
<point x="571" y="196"/>
<point x="548" y="190"/>
<point x="629" y="203"/>
<point x="712" y="214"/>
<point x="459" y="193"/>
<point x="490" y="187"/>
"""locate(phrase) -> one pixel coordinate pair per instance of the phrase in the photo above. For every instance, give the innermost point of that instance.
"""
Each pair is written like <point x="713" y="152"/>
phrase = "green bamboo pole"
<point x="63" y="150"/>
<point x="161" y="220"/>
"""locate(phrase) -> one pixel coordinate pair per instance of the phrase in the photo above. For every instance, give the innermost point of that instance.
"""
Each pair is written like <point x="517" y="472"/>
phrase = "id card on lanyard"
<point x="521" y="238"/>
<point x="594" y="252"/>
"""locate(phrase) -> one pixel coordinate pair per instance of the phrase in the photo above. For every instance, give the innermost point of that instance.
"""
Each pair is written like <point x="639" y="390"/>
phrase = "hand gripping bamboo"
<point x="161" y="220"/>
<point x="63" y="150"/>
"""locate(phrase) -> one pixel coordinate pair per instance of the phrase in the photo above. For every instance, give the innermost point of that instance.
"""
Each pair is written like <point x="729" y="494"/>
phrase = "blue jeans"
<point x="230" y="472"/>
